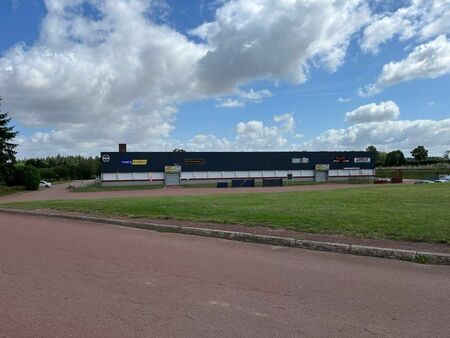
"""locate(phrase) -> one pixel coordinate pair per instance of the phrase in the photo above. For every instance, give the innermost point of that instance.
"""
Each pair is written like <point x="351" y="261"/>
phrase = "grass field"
<point x="98" y="187"/>
<point x="413" y="213"/>
<point x="10" y="190"/>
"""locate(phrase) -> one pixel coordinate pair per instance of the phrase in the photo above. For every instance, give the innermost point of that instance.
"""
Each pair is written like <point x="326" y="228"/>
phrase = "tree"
<point x="179" y="150"/>
<point x="7" y="152"/>
<point x="380" y="156"/>
<point x="419" y="153"/>
<point x="446" y="155"/>
<point x="395" y="158"/>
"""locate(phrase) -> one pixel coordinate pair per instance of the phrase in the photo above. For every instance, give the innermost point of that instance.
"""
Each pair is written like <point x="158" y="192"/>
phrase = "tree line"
<point x="396" y="158"/>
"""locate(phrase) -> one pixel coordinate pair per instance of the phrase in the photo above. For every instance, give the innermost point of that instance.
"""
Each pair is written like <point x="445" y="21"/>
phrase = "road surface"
<point x="61" y="278"/>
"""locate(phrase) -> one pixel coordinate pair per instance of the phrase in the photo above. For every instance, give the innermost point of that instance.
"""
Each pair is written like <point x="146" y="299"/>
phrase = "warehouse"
<point x="173" y="168"/>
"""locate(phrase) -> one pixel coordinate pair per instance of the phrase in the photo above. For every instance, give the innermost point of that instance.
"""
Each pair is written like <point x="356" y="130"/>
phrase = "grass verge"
<point x="412" y="213"/>
<point x="10" y="190"/>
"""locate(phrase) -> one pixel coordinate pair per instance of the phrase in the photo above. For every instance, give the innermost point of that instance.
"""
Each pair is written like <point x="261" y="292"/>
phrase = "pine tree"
<point x="7" y="148"/>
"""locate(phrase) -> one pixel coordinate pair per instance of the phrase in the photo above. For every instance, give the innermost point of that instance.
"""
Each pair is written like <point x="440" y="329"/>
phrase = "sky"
<point x="81" y="76"/>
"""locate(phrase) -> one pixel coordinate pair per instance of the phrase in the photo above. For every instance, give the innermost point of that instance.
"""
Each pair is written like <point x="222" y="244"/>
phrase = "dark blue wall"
<point x="231" y="161"/>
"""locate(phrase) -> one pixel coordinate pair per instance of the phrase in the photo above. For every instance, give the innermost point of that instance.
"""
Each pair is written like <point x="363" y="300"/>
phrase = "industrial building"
<point x="173" y="168"/>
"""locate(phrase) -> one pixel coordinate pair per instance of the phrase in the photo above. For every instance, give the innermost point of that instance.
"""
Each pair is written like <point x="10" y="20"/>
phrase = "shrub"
<point x="25" y="175"/>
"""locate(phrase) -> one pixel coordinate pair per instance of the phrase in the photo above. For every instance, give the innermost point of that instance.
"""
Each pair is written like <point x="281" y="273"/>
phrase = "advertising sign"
<point x="322" y="167"/>
<point x="106" y="158"/>
<point x="362" y="159"/>
<point x="341" y="159"/>
<point x="172" y="169"/>
<point x="139" y="162"/>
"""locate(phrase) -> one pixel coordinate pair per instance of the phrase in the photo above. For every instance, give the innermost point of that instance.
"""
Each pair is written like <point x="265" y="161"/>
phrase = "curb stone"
<point x="360" y="250"/>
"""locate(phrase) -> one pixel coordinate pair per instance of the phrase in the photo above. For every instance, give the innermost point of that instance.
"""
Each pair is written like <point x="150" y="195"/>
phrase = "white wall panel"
<point x="109" y="177"/>
<point x="141" y="176"/>
<point x="125" y="176"/>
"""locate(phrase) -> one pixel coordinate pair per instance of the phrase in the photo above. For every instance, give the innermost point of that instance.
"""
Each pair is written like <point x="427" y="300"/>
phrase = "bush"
<point x="25" y="175"/>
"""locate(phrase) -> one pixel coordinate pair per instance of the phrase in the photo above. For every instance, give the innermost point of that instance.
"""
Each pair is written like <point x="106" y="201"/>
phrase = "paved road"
<point x="63" y="278"/>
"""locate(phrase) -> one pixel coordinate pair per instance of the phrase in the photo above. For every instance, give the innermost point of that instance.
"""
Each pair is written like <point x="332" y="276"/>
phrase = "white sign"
<point x="295" y="160"/>
<point x="106" y="158"/>
<point x="305" y="160"/>
<point x="362" y="159"/>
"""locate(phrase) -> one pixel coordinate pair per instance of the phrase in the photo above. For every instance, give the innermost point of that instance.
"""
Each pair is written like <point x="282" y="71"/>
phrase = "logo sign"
<point x="340" y="159"/>
<point x="362" y="159"/>
<point x="296" y="160"/>
<point x="322" y="167"/>
<point x="304" y="160"/>
<point x="106" y="158"/>
<point x="139" y="162"/>
<point x="172" y="169"/>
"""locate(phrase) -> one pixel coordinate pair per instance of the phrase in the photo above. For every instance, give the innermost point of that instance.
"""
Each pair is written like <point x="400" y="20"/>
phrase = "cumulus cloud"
<point x="249" y="135"/>
<point x="427" y="61"/>
<point x="388" y="135"/>
<point x="276" y="39"/>
<point x="422" y="18"/>
<point x="244" y="97"/>
<point x="374" y="112"/>
<point x="118" y="75"/>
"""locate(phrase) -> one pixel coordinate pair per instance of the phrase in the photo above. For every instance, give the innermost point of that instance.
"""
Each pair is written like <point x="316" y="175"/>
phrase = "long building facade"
<point x="172" y="168"/>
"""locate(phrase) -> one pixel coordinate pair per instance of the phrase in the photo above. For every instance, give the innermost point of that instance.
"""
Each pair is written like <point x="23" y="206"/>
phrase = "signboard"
<point x="322" y="167"/>
<point x="127" y="162"/>
<point x="341" y="159"/>
<point x="106" y="158"/>
<point x="300" y="160"/>
<point x="194" y="161"/>
<point x="362" y="159"/>
<point x="139" y="162"/>
<point x="172" y="169"/>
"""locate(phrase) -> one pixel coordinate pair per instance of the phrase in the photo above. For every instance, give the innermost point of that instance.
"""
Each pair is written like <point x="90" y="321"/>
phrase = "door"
<point x="321" y="175"/>
<point x="172" y="178"/>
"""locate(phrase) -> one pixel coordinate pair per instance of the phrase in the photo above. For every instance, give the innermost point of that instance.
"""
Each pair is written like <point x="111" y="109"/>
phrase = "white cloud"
<point x="427" y="61"/>
<point x="243" y="98"/>
<point x="229" y="103"/>
<point x="249" y="135"/>
<point x="374" y="112"/>
<point x="276" y="39"/>
<point x="344" y="100"/>
<point x="422" y="18"/>
<point x="387" y="135"/>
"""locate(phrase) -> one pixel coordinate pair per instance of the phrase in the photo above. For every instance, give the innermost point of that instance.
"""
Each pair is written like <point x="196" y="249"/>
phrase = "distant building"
<point x="172" y="168"/>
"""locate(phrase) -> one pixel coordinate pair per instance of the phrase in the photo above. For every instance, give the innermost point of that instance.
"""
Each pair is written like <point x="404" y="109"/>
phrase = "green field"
<point x="98" y="187"/>
<point x="414" y="212"/>
<point x="10" y="190"/>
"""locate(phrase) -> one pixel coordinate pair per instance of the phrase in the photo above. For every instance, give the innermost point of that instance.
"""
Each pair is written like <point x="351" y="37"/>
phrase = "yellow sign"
<point x="322" y="167"/>
<point x="139" y="162"/>
<point x="172" y="169"/>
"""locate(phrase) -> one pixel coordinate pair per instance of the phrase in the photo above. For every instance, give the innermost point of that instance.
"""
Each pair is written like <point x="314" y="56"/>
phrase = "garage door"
<point x="172" y="179"/>
<point x="321" y="176"/>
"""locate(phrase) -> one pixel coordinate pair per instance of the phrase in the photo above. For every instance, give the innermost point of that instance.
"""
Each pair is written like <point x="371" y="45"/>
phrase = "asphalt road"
<point x="62" y="278"/>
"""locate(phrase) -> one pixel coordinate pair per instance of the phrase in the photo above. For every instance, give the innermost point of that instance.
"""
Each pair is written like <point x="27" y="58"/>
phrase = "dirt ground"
<point x="60" y="191"/>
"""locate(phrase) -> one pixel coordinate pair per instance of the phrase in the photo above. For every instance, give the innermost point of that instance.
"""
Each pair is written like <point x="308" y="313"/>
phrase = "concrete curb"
<point x="406" y="255"/>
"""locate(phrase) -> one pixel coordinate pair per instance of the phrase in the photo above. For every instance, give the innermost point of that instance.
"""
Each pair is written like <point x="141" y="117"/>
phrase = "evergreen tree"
<point x="7" y="148"/>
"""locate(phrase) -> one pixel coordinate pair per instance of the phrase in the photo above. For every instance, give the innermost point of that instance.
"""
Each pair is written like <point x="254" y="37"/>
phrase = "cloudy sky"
<point x="80" y="76"/>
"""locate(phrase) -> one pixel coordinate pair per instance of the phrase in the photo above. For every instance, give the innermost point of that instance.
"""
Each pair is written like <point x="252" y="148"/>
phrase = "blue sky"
<point x="78" y="77"/>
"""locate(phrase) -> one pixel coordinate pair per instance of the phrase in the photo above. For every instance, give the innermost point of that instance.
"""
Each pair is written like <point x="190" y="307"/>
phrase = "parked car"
<point x="45" y="184"/>
<point x="423" y="182"/>
<point x="445" y="179"/>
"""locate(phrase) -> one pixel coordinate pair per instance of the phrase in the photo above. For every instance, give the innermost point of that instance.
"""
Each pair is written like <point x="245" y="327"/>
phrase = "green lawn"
<point x="10" y="190"/>
<point x="98" y="187"/>
<point x="414" y="212"/>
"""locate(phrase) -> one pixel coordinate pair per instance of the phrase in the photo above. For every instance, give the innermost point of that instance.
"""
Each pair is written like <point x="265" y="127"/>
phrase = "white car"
<point x="423" y="182"/>
<point x="445" y="179"/>
<point x="45" y="184"/>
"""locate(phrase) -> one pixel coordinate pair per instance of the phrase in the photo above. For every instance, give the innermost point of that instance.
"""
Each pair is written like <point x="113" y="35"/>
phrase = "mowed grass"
<point x="412" y="213"/>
